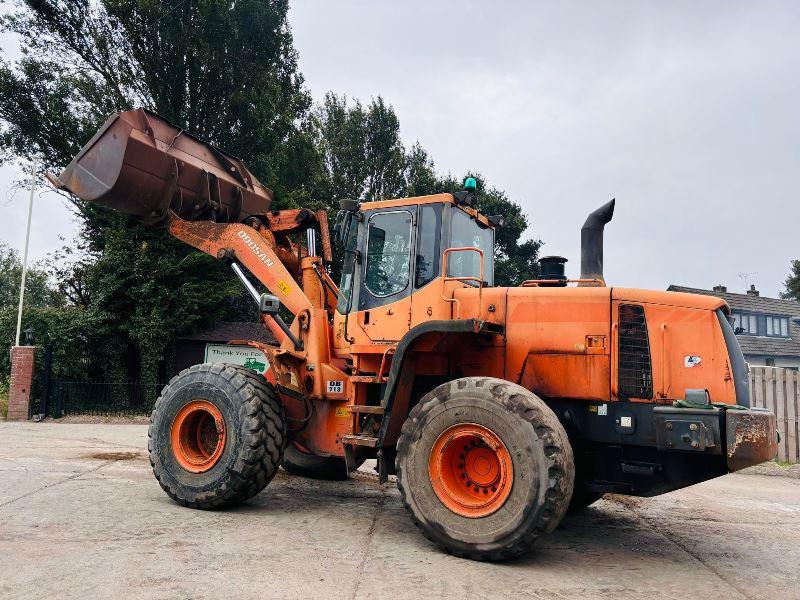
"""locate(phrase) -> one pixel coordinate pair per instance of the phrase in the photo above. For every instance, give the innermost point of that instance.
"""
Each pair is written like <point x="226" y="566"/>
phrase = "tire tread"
<point x="264" y="440"/>
<point x="549" y="429"/>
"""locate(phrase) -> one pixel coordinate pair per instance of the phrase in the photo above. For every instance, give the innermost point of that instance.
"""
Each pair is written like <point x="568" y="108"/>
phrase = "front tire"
<point x="485" y="468"/>
<point x="217" y="436"/>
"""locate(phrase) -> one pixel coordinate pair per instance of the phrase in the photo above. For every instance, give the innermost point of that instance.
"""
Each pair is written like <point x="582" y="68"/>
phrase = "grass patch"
<point x="782" y="463"/>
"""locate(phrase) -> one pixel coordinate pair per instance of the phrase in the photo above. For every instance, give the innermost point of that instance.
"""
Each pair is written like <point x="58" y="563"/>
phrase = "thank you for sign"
<point x="246" y="356"/>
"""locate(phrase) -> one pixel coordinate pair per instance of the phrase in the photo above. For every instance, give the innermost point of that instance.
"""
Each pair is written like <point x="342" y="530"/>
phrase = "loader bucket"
<point x="140" y="164"/>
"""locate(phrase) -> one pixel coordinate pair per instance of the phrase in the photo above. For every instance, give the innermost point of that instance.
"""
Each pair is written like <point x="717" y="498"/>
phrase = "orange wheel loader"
<point x="499" y="409"/>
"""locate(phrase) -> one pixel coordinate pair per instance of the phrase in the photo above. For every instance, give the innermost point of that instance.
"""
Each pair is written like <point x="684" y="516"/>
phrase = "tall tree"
<point x="365" y="159"/>
<point x="385" y="154"/>
<point x="341" y="132"/>
<point x="793" y="283"/>
<point x="38" y="291"/>
<point x="226" y="71"/>
<point x="421" y="178"/>
<point x="361" y="148"/>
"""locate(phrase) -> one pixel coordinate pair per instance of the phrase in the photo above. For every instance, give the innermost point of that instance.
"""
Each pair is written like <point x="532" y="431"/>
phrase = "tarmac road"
<point x="82" y="517"/>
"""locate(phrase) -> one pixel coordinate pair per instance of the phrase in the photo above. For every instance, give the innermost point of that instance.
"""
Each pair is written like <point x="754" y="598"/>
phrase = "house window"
<point x="768" y="325"/>
<point x="778" y="326"/>
<point x="745" y="324"/>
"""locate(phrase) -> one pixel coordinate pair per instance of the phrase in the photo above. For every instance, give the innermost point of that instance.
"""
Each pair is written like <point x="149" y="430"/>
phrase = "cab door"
<point x="384" y="299"/>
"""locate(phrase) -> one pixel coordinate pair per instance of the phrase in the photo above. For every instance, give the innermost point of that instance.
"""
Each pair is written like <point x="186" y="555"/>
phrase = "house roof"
<point x="754" y="344"/>
<point x="226" y="331"/>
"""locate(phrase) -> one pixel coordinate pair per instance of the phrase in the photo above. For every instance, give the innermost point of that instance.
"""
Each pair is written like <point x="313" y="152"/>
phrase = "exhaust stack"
<point x="592" y="242"/>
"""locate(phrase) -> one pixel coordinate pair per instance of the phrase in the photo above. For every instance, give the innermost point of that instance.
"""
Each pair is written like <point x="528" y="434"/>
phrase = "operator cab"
<point x="394" y="248"/>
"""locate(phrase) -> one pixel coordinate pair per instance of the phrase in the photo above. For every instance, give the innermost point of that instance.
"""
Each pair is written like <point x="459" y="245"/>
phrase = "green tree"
<point x="365" y="159"/>
<point x="361" y="149"/>
<point x="385" y="155"/>
<point x="38" y="291"/>
<point x="421" y="178"/>
<point x="793" y="283"/>
<point x="226" y="71"/>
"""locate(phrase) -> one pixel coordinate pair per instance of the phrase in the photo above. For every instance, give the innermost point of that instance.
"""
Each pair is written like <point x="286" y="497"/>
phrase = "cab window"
<point x="466" y="232"/>
<point x="348" y="268"/>
<point x="388" y="253"/>
<point x="429" y="232"/>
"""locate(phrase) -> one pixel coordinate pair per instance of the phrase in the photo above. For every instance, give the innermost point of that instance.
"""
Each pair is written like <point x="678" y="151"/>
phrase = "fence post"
<point x="792" y="409"/>
<point x="57" y="414"/>
<point x="47" y="378"/>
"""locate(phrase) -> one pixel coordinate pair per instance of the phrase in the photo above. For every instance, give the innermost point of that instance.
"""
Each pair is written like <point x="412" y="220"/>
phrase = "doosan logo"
<point x="255" y="248"/>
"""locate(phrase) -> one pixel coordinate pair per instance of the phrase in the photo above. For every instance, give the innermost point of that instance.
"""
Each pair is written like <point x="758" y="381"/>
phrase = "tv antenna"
<point x="745" y="277"/>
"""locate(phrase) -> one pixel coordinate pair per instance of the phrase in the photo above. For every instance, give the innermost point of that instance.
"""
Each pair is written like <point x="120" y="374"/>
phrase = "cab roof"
<point x="431" y="199"/>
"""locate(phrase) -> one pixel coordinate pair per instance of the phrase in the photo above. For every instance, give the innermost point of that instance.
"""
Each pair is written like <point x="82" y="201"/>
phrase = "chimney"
<point x="720" y="288"/>
<point x="752" y="291"/>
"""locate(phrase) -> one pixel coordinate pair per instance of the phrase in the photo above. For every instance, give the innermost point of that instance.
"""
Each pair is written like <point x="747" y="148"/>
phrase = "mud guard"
<point x="399" y="376"/>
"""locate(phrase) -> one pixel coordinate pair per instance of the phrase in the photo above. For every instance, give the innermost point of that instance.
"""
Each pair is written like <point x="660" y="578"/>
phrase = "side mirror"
<point x="269" y="304"/>
<point x="349" y="205"/>
<point x="341" y="227"/>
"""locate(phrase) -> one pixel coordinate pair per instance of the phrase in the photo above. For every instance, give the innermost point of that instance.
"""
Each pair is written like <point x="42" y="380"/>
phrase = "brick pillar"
<point x="19" y="392"/>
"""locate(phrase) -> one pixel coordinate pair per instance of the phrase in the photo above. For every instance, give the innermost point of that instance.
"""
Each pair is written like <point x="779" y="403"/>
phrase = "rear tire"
<point x="217" y="436"/>
<point x="509" y="442"/>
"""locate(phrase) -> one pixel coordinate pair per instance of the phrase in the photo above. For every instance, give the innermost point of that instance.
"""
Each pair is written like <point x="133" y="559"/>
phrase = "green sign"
<point x="246" y="356"/>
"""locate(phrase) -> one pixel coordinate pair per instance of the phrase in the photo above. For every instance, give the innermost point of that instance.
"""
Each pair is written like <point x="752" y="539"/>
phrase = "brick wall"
<point x="19" y="392"/>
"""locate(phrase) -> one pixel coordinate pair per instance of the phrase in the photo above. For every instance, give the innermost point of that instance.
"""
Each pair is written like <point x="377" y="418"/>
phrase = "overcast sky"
<point x="687" y="113"/>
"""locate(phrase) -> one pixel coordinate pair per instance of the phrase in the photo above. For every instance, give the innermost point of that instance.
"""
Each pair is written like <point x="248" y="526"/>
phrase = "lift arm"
<point x="236" y="241"/>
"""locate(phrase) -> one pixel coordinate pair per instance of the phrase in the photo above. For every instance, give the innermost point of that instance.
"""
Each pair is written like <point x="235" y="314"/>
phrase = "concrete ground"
<point x="82" y="517"/>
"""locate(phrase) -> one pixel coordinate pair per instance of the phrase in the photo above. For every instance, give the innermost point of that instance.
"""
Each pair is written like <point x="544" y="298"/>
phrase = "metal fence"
<point x="95" y="398"/>
<point x="779" y="391"/>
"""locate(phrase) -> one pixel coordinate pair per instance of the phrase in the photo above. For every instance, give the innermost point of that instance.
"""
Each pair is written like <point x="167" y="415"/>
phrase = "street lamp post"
<point x="25" y="254"/>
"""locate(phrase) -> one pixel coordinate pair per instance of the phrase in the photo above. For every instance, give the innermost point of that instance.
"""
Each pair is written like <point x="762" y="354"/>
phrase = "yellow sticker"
<point x="342" y="411"/>
<point x="284" y="287"/>
<point x="593" y="408"/>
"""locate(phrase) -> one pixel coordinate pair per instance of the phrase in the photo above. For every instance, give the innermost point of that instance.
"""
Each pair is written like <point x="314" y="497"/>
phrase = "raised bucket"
<point x="140" y="164"/>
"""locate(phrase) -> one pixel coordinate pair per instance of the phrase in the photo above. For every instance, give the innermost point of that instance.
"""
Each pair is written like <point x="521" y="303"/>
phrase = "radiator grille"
<point x="635" y="369"/>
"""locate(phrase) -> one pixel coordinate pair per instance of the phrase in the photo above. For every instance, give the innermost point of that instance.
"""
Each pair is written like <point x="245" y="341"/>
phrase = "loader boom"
<point x="247" y="246"/>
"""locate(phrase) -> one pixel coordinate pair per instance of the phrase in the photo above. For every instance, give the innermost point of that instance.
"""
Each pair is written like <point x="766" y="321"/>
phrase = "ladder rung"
<point x="361" y="408"/>
<point x="360" y="440"/>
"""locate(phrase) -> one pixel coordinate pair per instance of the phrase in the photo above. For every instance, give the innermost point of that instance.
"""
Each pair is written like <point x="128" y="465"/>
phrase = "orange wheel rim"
<point x="198" y="436"/>
<point x="471" y="470"/>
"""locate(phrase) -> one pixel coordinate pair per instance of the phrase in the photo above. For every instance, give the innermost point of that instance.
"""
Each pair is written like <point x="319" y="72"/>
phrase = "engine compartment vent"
<point x="635" y="366"/>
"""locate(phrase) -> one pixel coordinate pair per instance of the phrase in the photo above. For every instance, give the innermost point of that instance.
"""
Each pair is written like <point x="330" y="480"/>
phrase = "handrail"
<point x="447" y="278"/>
<point x="390" y="349"/>
<point x="538" y="282"/>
